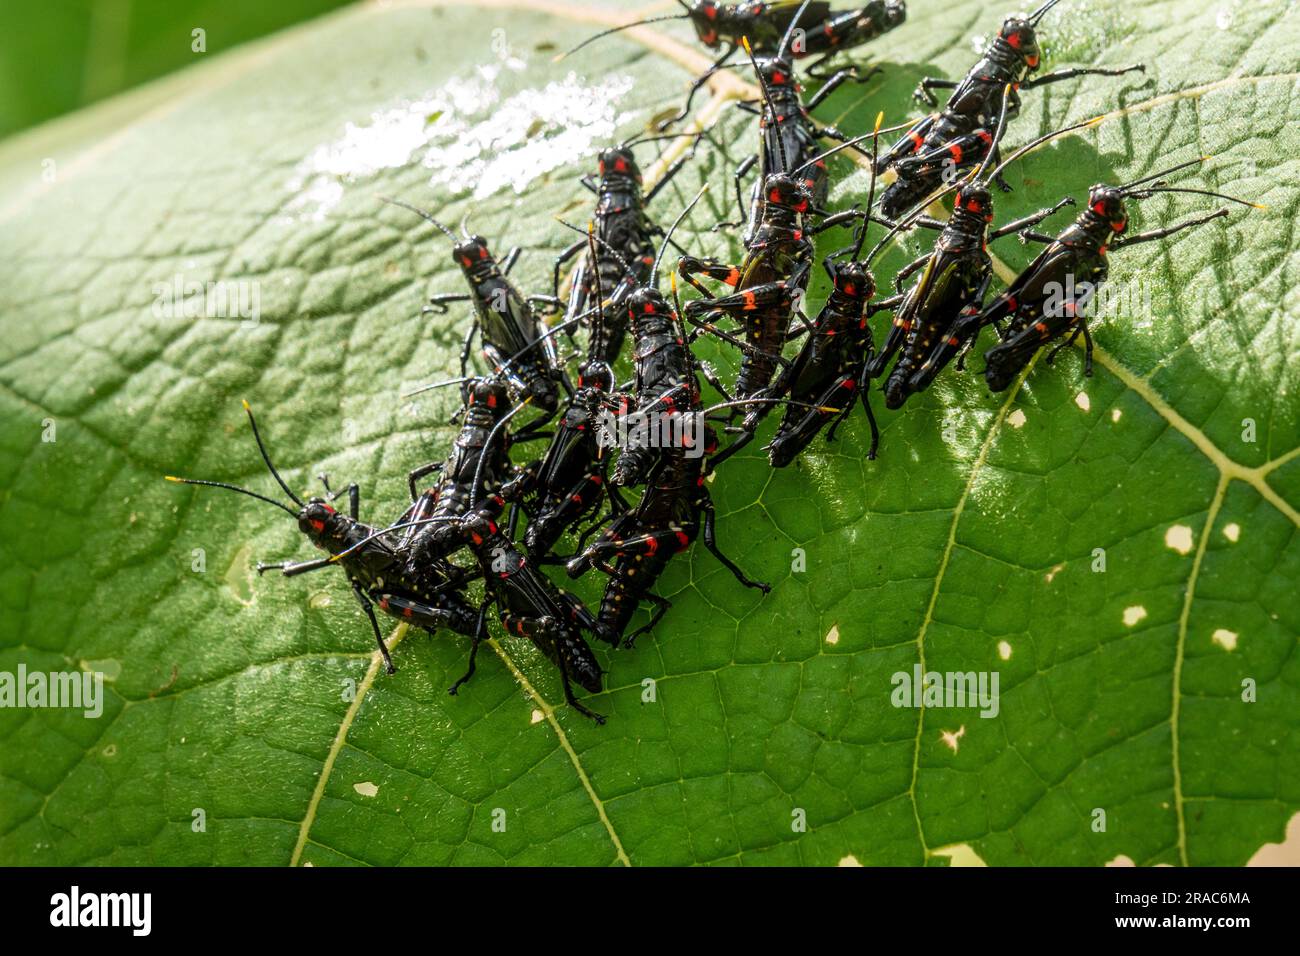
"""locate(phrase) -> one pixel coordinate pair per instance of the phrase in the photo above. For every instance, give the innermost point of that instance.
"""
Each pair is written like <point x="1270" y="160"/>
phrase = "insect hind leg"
<point x="662" y="606"/>
<point x="480" y="632"/>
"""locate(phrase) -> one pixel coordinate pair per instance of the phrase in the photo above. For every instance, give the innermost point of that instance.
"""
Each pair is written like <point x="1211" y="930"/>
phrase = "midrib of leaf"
<point x="549" y="713"/>
<point x="1184" y="618"/>
<point x="944" y="557"/>
<point x="1229" y="469"/>
<point x="340" y="738"/>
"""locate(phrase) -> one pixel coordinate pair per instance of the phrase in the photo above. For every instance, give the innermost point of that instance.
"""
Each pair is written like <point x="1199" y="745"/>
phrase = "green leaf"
<point x="84" y="51"/>
<point x="968" y="546"/>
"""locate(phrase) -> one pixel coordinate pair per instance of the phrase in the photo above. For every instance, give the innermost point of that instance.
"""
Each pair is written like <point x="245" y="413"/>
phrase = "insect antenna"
<point x="871" y="190"/>
<point x="854" y="141"/>
<point x="654" y="271"/>
<point x="1039" y="141"/>
<point x="737" y="403"/>
<point x="487" y="444"/>
<point x="422" y="214"/>
<point x="542" y="338"/>
<point x="1144" y="193"/>
<point x="681" y="322"/>
<point x="267" y="458"/>
<point x="442" y="384"/>
<point x="767" y="101"/>
<point x="997" y="136"/>
<point x="401" y="525"/>
<point x="242" y="491"/>
<point x="1038" y="14"/>
<point x="626" y="26"/>
<point x="1162" y="175"/>
<point x="612" y="251"/>
<point x="598" y="324"/>
<point x="784" y="48"/>
<point x="638" y="140"/>
<point x="907" y="220"/>
<point x="508" y="362"/>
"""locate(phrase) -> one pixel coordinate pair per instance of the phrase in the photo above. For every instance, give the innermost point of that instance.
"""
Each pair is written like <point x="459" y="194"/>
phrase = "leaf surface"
<point x="970" y="545"/>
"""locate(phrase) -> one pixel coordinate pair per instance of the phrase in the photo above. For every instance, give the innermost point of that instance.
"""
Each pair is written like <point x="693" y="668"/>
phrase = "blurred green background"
<point x="57" y="56"/>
